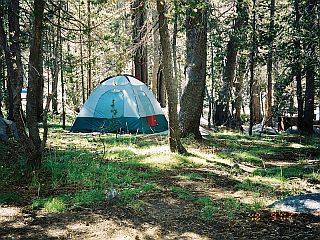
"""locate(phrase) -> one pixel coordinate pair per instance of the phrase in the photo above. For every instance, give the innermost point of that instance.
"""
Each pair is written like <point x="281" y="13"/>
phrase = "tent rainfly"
<point x="121" y="104"/>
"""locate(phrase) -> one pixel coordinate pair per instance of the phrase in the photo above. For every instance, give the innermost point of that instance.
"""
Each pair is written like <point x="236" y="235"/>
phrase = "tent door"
<point x="148" y="109"/>
<point x="110" y="105"/>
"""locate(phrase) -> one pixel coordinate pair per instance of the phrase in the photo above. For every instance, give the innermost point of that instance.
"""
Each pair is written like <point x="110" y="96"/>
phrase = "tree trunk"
<point x="55" y="65"/>
<point x="210" y="107"/>
<point x="310" y="45"/>
<point x="252" y="65"/>
<point x="8" y="99"/>
<point x="140" y="43"/>
<point x="2" y="80"/>
<point x="191" y="104"/>
<point x="62" y="69"/>
<point x="268" y="115"/>
<point x="256" y="98"/>
<point x="35" y="81"/>
<point x="228" y="76"/>
<point x="81" y="60"/>
<point x="161" y="88"/>
<point x="171" y="85"/>
<point x="89" y="45"/>
<point x="236" y="37"/>
<point x="239" y="87"/>
<point x="297" y="66"/>
<point x="11" y="79"/>
<point x="14" y="68"/>
<point x="156" y="54"/>
<point x="212" y="84"/>
<point x="174" y="41"/>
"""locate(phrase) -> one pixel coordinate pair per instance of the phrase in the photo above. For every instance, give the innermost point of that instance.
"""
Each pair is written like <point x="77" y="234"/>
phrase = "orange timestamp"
<point x="273" y="216"/>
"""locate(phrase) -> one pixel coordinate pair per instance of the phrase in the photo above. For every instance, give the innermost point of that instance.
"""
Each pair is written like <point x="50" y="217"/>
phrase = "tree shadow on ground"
<point x="176" y="222"/>
<point x="163" y="215"/>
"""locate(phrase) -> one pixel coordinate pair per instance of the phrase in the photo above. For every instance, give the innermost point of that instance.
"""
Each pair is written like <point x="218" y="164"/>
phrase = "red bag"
<point x="152" y="121"/>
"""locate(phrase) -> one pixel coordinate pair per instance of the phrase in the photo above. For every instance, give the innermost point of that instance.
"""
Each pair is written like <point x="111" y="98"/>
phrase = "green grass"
<point x="51" y="204"/>
<point x="192" y="176"/>
<point x="231" y="207"/>
<point x="313" y="177"/>
<point x="249" y="185"/>
<point x="185" y="161"/>
<point x="61" y="203"/>
<point x="182" y="193"/>
<point x="256" y="206"/>
<point x="243" y="157"/>
<point x="88" y="197"/>
<point x="208" y="212"/>
<point x="284" y="173"/>
<point x="149" y="187"/>
<point x="78" y="170"/>
<point x="10" y="198"/>
<point x="208" y="209"/>
<point x="84" y="169"/>
<point x="90" y="174"/>
<point x="129" y="194"/>
<point x="137" y="205"/>
<point x="203" y="201"/>
<point x="132" y="194"/>
<point x="13" y="165"/>
<point x="54" y="205"/>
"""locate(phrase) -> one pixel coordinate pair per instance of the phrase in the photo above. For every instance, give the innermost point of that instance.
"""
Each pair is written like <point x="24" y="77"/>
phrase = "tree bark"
<point x="174" y="42"/>
<point x="171" y="84"/>
<point x="161" y="88"/>
<point x="139" y="33"/>
<point x="252" y="66"/>
<point x="212" y="85"/>
<point x="12" y="51"/>
<point x="5" y="58"/>
<point x="89" y="45"/>
<point x="2" y="80"/>
<point x="35" y="82"/>
<point x="156" y="52"/>
<point x="234" y="44"/>
<point x="297" y="66"/>
<point x="256" y="100"/>
<point x="239" y="87"/>
<point x="62" y="70"/>
<point x="228" y="77"/>
<point x="268" y="115"/>
<point x="191" y="103"/>
<point x="81" y="60"/>
<point x="55" y="76"/>
<point x="310" y="45"/>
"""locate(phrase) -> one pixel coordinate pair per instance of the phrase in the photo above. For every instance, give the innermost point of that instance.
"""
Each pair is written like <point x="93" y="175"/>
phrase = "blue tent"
<point x="121" y="104"/>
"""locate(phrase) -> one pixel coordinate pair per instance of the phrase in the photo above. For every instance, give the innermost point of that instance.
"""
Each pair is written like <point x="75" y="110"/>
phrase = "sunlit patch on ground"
<point x="158" y="194"/>
<point x="9" y="213"/>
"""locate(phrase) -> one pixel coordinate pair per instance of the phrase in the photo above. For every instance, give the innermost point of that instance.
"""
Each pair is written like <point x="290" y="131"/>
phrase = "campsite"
<point x="149" y="119"/>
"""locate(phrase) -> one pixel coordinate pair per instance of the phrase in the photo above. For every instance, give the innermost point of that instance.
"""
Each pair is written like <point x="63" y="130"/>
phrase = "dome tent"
<point x="121" y="104"/>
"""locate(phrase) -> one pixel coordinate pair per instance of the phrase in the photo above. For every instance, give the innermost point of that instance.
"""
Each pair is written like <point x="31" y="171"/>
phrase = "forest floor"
<point x="132" y="187"/>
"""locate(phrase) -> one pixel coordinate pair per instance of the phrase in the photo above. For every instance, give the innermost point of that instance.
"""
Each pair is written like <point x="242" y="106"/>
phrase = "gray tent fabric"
<point x="8" y="130"/>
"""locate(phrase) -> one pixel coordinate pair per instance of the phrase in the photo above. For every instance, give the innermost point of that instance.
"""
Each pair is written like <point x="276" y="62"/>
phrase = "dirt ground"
<point x="165" y="216"/>
<point x="164" y="219"/>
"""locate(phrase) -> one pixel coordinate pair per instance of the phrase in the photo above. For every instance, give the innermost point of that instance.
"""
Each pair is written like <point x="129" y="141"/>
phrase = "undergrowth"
<point x="81" y="170"/>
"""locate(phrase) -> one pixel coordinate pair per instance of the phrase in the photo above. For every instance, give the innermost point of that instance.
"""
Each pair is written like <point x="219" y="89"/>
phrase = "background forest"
<point x="235" y="61"/>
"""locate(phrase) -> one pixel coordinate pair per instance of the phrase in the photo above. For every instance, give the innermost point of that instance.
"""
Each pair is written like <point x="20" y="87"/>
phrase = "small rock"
<point x="112" y="196"/>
